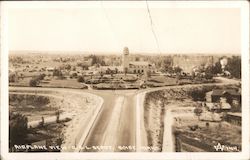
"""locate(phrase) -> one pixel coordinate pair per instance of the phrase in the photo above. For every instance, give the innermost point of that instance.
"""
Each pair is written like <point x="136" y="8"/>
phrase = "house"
<point x="223" y="95"/>
<point x="234" y="118"/>
<point x="222" y="106"/>
<point x="50" y="69"/>
<point x="138" y="67"/>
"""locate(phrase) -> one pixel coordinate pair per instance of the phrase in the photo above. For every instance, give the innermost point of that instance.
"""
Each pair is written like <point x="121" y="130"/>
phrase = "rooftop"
<point x="220" y="92"/>
<point x="235" y="114"/>
<point x="139" y="63"/>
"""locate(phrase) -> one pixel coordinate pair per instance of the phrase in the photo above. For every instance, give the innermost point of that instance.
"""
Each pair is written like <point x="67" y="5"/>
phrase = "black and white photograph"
<point x="124" y="78"/>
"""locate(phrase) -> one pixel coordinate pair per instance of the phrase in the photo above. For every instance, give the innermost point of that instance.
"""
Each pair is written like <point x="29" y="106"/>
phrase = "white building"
<point x="134" y="66"/>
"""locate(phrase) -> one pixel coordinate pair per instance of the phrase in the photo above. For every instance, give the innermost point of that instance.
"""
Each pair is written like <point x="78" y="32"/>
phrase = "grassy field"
<point x="53" y="83"/>
<point x="34" y="107"/>
<point x="65" y="83"/>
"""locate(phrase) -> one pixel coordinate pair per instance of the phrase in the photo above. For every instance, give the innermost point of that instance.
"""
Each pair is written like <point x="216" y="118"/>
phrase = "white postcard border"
<point x="5" y="6"/>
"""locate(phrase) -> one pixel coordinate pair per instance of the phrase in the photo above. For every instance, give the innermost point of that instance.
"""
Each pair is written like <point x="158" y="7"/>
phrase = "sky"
<point x="107" y="29"/>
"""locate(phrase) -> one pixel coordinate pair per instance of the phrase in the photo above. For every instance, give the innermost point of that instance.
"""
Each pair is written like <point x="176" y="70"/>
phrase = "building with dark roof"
<point x="229" y="94"/>
<point x="234" y="118"/>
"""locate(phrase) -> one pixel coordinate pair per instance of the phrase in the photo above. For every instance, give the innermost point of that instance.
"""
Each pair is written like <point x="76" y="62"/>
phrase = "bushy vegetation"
<point x="80" y="79"/>
<point x="199" y="93"/>
<point x="36" y="80"/>
<point x="234" y="66"/>
<point x="12" y="77"/>
<point x="18" y="129"/>
<point x="29" y="99"/>
<point x="57" y="72"/>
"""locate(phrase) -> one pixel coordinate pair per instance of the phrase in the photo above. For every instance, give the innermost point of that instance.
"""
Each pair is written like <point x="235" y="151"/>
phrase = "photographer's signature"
<point x="225" y="148"/>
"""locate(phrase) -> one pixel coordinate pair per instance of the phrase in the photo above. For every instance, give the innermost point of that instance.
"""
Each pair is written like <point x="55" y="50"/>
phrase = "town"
<point x="187" y="102"/>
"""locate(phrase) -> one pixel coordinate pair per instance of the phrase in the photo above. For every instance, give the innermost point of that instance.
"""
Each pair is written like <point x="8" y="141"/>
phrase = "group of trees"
<point x="233" y="66"/>
<point x="80" y="79"/>
<point x="18" y="59"/>
<point x="12" y="77"/>
<point x="18" y="129"/>
<point x="66" y="67"/>
<point x="83" y="65"/>
<point x="97" y="60"/>
<point x="111" y="72"/>
<point x="36" y="80"/>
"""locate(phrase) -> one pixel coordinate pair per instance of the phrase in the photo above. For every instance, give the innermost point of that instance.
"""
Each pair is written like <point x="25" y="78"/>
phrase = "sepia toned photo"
<point x="139" y="78"/>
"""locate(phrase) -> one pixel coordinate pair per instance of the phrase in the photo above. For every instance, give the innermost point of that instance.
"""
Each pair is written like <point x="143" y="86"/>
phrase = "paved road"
<point x="115" y="125"/>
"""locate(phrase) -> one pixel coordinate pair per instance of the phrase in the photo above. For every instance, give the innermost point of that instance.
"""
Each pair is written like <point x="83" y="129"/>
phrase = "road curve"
<point x="115" y="126"/>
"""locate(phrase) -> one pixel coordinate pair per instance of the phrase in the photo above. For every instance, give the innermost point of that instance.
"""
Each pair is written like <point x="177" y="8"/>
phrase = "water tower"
<point x="125" y="59"/>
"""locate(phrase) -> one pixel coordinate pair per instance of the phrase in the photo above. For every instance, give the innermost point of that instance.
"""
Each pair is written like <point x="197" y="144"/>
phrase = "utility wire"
<point x="110" y="24"/>
<point x="152" y="27"/>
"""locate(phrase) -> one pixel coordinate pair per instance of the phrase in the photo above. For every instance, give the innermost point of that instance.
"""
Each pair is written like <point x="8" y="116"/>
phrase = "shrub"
<point x="198" y="111"/>
<point x="80" y="79"/>
<point x="41" y="76"/>
<point x="12" y="78"/>
<point x="34" y="82"/>
<point x="74" y="75"/>
<point x="18" y="129"/>
<point x="197" y="94"/>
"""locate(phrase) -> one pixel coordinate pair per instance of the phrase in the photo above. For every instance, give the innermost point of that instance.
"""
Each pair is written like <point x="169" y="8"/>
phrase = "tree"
<point x="197" y="94"/>
<point x="67" y="67"/>
<point x="58" y="73"/>
<point x="177" y="69"/>
<point x="148" y="73"/>
<point x="42" y="122"/>
<point x="83" y="65"/>
<point x="74" y="75"/>
<point x="41" y="76"/>
<point x="198" y="111"/>
<point x="34" y="82"/>
<point x="57" y="116"/>
<point x="137" y="58"/>
<point x="108" y="71"/>
<point x="18" y="129"/>
<point x="125" y="71"/>
<point x="166" y="65"/>
<point x="216" y="68"/>
<point x="234" y="66"/>
<point x="208" y="72"/>
<point x="101" y="74"/>
<point x="192" y="74"/>
<point x="21" y="76"/>
<point x="116" y="70"/>
<point x="12" y="77"/>
<point x="97" y="60"/>
<point x="80" y="79"/>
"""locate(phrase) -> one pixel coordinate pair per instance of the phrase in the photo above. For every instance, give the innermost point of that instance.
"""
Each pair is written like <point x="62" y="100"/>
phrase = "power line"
<point x="152" y="27"/>
<point x="110" y="23"/>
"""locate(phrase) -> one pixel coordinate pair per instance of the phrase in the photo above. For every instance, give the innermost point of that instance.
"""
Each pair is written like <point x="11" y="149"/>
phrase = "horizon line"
<point x="114" y="52"/>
